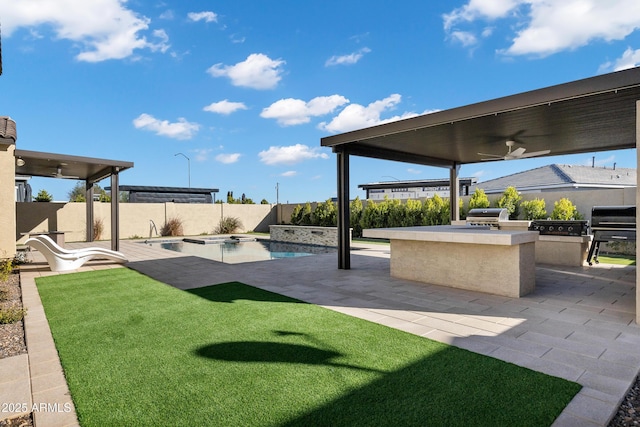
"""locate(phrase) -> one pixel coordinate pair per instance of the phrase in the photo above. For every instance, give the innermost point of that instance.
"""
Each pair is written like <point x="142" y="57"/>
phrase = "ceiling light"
<point x="20" y="162"/>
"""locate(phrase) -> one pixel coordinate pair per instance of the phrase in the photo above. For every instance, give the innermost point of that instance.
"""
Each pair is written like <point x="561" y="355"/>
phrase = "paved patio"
<point x="578" y="324"/>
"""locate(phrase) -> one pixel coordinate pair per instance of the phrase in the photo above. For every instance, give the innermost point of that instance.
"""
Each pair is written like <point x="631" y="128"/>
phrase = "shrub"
<point x="479" y="199"/>
<point x="6" y="267"/>
<point x="11" y="315"/>
<point x="355" y="216"/>
<point x="510" y="200"/>
<point x="534" y="209"/>
<point x="305" y="218"/>
<point x="564" y="209"/>
<point x="98" y="228"/>
<point x="325" y="214"/>
<point x="43" y="196"/>
<point x="436" y="211"/>
<point x="173" y="227"/>
<point x="228" y="225"/>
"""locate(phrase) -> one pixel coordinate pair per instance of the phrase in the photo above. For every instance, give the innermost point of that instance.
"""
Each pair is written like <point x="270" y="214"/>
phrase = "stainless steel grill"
<point x="611" y="224"/>
<point x="487" y="217"/>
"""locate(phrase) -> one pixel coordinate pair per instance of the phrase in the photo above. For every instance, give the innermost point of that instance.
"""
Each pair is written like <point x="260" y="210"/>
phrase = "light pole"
<point x="188" y="166"/>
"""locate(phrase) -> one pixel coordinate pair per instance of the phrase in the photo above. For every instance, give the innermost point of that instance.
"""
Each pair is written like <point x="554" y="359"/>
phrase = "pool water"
<point x="241" y="251"/>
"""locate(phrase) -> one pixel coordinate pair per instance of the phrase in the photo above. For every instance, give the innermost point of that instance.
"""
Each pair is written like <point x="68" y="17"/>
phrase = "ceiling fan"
<point x="518" y="153"/>
<point x="59" y="174"/>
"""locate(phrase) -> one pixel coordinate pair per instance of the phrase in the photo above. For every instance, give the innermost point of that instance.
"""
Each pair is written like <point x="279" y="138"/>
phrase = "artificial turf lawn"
<point x="138" y="352"/>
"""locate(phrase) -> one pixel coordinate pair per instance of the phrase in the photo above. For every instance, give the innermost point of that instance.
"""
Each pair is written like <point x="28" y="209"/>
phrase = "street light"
<point x="188" y="166"/>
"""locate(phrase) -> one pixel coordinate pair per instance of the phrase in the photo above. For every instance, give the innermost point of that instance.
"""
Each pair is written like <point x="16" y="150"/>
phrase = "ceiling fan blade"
<point x="535" y="153"/>
<point x="496" y="156"/>
<point x="518" y="152"/>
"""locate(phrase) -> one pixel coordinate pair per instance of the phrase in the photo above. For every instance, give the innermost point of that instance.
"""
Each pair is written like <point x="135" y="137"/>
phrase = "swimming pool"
<point x="232" y="251"/>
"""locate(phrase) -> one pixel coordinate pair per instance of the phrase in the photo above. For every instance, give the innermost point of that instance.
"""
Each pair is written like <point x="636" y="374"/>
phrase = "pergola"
<point x="90" y="170"/>
<point x="594" y="114"/>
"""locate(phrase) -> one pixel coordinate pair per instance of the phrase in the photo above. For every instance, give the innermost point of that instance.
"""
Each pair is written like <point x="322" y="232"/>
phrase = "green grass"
<point x="138" y="352"/>
<point x="616" y="259"/>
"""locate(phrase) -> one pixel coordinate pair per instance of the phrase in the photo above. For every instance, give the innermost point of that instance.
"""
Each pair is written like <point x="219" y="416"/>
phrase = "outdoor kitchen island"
<point x="480" y="259"/>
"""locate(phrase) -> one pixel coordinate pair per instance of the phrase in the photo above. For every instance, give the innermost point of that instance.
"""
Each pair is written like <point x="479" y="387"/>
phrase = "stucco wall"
<point x="135" y="218"/>
<point x="7" y="200"/>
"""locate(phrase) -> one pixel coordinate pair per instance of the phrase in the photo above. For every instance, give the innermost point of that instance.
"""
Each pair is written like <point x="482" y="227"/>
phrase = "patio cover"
<point x="90" y="170"/>
<point x="594" y="114"/>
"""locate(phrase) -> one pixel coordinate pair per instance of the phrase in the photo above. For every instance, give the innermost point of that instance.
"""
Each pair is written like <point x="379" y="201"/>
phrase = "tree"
<point x="478" y="200"/>
<point x="510" y="200"/>
<point x="77" y="193"/>
<point x="43" y="196"/>
<point x="264" y="202"/>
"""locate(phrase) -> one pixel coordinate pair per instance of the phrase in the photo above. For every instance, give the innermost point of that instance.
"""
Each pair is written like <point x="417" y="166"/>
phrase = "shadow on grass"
<point x="236" y="291"/>
<point x="446" y="389"/>
<point x="274" y="352"/>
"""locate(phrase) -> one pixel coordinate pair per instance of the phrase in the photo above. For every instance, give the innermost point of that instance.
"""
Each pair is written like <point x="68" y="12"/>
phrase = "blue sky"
<point x="246" y="89"/>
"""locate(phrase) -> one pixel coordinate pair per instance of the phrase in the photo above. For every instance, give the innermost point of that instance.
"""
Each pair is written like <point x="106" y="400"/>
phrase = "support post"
<point x="454" y="192"/>
<point x="344" y="226"/>
<point x="637" y="199"/>
<point x="88" y="197"/>
<point x="115" y="213"/>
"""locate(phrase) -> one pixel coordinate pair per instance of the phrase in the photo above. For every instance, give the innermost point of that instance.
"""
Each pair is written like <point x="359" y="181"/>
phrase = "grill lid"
<point x="487" y="215"/>
<point x="613" y="217"/>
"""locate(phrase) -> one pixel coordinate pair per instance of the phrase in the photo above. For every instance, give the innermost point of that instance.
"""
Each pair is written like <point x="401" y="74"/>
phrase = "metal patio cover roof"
<point x="37" y="163"/>
<point x="594" y="114"/>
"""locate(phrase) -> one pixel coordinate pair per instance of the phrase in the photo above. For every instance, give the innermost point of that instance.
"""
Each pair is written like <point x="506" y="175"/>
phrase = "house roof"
<point x="153" y="189"/>
<point x="8" y="134"/>
<point x="416" y="183"/>
<point x="557" y="176"/>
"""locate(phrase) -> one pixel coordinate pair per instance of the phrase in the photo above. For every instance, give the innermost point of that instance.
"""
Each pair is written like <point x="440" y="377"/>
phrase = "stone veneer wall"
<point x="310" y="235"/>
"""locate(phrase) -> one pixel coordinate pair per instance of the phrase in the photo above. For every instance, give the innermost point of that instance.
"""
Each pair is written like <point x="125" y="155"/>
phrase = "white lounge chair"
<point x="60" y="259"/>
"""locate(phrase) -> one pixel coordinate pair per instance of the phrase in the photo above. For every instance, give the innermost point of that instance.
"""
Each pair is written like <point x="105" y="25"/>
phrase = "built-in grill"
<point x="551" y="227"/>
<point x="611" y="224"/>
<point x="487" y="217"/>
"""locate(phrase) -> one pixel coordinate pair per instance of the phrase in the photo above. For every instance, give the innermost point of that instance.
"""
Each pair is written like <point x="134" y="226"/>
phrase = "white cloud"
<point x="289" y="112"/>
<point x="545" y="27"/>
<point x="289" y="174"/>
<point x="228" y="158"/>
<point x="101" y="29"/>
<point x="414" y="171"/>
<point x="629" y="59"/>
<point x="479" y="174"/>
<point x="356" y="116"/>
<point x="290" y="155"/>
<point x="202" y="154"/>
<point x="225" y="107"/>
<point x="203" y="16"/>
<point x="352" y="58"/>
<point x="599" y="162"/>
<point x="465" y="38"/>
<point x="475" y="9"/>
<point x="258" y="71"/>
<point x="182" y="129"/>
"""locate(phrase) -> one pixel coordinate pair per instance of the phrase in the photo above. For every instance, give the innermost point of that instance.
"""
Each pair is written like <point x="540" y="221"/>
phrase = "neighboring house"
<point x="23" y="189"/>
<point x="414" y="189"/>
<point x="557" y="177"/>
<point x="150" y="194"/>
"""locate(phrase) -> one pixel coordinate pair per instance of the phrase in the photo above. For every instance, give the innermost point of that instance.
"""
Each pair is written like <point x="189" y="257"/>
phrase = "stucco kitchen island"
<point x="474" y="258"/>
